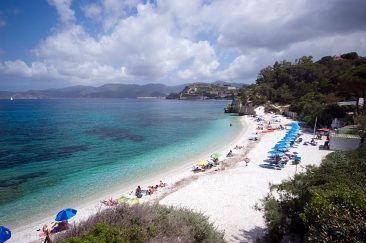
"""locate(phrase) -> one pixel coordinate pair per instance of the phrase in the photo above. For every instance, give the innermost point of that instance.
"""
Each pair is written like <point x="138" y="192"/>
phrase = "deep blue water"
<point x="56" y="153"/>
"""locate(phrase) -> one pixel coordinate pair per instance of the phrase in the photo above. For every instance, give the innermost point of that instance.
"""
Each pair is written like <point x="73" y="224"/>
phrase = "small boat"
<point x="11" y="98"/>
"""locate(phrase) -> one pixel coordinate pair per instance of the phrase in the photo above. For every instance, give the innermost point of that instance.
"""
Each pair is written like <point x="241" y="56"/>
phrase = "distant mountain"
<point x="104" y="91"/>
<point x="107" y="91"/>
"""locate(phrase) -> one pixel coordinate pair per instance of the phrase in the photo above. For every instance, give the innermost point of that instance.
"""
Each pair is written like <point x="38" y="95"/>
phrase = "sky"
<point x="58" y="43"/>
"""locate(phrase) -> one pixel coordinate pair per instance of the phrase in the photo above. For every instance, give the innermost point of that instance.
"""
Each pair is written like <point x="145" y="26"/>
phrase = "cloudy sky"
<point x="57" y="43"/>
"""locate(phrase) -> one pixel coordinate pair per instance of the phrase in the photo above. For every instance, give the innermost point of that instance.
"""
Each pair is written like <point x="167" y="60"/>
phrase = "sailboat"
<point x="11" y="98"/>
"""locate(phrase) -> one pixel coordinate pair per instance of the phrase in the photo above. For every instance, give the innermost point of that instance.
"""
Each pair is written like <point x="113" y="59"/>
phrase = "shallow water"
<point x="53" y="152"/>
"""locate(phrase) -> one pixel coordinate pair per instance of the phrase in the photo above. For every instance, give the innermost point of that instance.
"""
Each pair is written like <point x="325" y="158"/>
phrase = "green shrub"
<point x="143" y="223"/>
<point x="337" y="215"/>
<point x="326" y="203"/>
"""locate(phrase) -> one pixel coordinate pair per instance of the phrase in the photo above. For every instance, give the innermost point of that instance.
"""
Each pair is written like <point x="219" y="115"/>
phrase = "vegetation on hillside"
<point x="312" y="88"/>
<point x="143" y="223"/>
<point x="323" y="204"/>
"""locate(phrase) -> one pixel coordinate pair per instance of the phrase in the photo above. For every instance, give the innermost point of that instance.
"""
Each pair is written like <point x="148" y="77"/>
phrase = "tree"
<point x="350" y="55"/>
<point x="356" y="83"/>
<point x="305" y="60"/>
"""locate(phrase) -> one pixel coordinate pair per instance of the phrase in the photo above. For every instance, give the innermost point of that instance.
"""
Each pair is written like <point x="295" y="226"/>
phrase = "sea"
<point x="56" y="153"/>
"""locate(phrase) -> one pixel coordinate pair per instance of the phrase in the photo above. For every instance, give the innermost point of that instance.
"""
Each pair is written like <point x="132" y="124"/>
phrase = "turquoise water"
<point x="56" y="153"/>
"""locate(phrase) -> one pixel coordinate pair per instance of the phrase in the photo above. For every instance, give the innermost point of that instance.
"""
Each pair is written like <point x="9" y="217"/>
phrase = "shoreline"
<point x="229" y="197"/>
<point x="171" y="175"/>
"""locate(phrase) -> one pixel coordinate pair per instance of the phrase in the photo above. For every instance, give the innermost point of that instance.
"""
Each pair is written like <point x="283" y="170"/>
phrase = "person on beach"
<point x="151" y="190"/>
<point x="162" y="184"/>
<point x="59" y="226"/>
<point x="138" y="192"/>
<point x="47" y="232"/>
<point x="230" y="154"/>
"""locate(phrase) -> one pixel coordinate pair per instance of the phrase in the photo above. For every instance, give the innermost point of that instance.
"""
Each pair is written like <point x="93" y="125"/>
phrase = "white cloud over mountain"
<point x="175" y="41"/>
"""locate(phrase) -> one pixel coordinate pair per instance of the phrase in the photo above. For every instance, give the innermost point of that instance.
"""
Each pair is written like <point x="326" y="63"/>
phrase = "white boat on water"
<point x="11" y="98"/>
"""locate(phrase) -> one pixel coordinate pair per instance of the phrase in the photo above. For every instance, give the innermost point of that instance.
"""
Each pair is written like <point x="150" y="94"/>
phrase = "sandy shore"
<point x="227" y="196"/>
<point x="29" y="233"/>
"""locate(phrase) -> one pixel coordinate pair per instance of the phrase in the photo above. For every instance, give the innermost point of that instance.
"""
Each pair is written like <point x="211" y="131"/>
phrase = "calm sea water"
<point x="55" y="153"/>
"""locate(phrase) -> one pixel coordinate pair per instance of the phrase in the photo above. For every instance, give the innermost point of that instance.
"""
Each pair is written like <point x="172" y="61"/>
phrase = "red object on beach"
<point x="323" y="129"/>
<point x="266" y="131"/>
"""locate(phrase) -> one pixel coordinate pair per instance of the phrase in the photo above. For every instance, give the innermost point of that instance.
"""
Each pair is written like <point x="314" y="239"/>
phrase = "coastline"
<point x="228" y="197"/>
<point x="170" y="175"/>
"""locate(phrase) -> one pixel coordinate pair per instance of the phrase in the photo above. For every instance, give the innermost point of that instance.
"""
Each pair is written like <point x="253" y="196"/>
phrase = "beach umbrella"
<point x="202" y="162"/>
<point x="128" y="200"/>
<point x="5" y="234"/>
<point x="216" y="155"/>
<point x="278" y="153"/>
<point x="66" y="214"/>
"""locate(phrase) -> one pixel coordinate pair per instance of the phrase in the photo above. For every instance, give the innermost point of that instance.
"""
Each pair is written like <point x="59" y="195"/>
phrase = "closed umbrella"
<point x="5" y="234"/>
<point x="66" y="214"/>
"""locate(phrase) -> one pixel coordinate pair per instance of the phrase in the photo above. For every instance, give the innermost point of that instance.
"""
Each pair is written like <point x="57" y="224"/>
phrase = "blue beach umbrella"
<point x="66" y="214"/>
<point x="5" y="234"/>
<point x="276" y="153"/>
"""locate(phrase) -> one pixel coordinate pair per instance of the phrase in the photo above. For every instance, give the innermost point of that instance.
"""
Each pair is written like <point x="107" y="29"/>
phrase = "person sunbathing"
<point x="151" y="190"/>
<point x="60" y="226"/>
<point x="162" y="184"/>
<point x="110" y="202"/>
<point x="197" y="169"/>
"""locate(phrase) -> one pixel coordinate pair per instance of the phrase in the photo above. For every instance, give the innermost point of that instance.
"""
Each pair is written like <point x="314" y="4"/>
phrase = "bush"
<point x="143" y="223"/>
<point x="337" y="215"/>
<point x="323" y="204"/>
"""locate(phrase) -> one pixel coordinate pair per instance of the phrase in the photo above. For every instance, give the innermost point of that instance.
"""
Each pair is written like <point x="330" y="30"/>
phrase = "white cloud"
<point x="244" y="66"/>
<point x="16" y="67"/>
<point x="188" y="40"/>
<point x="93" y="11"/>
<point x="64" y="10"/>
<point x="20" y="68"/>
<point x="109" y="12"/>
<point x="204" y="62"/>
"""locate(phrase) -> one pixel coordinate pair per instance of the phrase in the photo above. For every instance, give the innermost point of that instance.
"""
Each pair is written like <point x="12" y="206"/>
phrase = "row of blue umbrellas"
<point x="65" y="214"/>
<point x="285" y="142"/>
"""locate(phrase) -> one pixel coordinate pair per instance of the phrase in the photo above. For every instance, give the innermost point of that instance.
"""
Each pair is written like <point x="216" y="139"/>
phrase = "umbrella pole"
<point x="296" y="169"/>
<point x="316" y="119"/>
